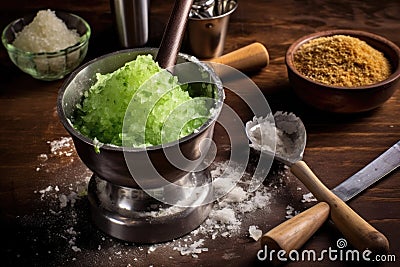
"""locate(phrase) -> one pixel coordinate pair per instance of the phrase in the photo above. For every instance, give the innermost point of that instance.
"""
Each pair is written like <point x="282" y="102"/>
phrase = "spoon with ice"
<point x="287" y="131"/>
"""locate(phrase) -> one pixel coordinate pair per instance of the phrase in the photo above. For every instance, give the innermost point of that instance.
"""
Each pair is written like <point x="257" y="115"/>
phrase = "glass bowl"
<point x="48" y="66"/>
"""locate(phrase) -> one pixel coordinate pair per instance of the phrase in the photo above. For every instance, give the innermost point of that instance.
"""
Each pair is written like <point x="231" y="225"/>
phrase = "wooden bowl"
<point x="340" y="99"/>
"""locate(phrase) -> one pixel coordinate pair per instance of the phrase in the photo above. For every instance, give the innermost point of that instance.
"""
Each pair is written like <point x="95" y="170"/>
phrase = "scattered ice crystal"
<point x="308" y="198"/>
<point x="254" y="232"/>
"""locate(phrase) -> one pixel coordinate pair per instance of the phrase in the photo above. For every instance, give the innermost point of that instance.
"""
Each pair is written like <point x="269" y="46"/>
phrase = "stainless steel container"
<point x="118" y="203"/>
<point x="110" y="163"/>
<point x="206" y="32"/>
<point x="131" y="21"/>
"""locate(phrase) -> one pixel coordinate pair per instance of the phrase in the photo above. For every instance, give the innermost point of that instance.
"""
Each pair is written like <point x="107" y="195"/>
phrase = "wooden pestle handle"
<point x="248" y="58"/>
<point x="173" y="34"/>
<point x="293" y="233"/>
<point x="355" y="229"/>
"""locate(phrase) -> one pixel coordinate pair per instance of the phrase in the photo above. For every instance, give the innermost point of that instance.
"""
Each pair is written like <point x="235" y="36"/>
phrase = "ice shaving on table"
<point x="140" y="105"/>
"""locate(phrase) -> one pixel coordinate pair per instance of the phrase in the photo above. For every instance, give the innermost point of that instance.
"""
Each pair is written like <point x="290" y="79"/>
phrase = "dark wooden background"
<point x="32" y="234"/>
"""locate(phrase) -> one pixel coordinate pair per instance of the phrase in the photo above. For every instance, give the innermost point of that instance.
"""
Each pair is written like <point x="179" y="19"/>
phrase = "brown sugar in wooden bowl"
<point x="361" y="77"/>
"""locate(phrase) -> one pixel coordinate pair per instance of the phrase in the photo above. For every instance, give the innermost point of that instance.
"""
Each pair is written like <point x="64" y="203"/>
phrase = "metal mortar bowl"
<point x="110" y="164"/>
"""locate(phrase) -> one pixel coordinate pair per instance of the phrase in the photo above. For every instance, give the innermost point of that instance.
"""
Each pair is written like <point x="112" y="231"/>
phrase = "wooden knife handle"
<point x="355" y="229"/>
<point x="248" y="58"/>
<point x="293" y="233"/>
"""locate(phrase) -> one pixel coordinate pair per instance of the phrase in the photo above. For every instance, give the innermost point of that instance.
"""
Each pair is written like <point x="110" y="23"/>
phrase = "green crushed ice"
<point x="159" y="110"/>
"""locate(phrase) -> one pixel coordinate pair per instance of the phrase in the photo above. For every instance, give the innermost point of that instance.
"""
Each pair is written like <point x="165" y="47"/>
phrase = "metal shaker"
<point x="131" y="18"/>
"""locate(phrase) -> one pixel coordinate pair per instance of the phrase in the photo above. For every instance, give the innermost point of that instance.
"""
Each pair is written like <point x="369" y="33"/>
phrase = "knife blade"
<point x="367" y="176"/>
<point x="293" y="233"/>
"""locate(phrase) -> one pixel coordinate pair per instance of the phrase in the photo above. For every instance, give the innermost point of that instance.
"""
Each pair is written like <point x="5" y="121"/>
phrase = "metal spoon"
<point x="202" y="9"/>
<point x="291" y="136"/>
<point x="288" y="127"/>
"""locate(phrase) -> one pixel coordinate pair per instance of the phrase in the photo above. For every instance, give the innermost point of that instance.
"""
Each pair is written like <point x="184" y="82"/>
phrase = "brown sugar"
<point x="341" y="61"/>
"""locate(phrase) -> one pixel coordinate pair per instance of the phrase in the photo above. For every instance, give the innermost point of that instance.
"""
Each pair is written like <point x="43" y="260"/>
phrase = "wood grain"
<point x="337" y="146"/>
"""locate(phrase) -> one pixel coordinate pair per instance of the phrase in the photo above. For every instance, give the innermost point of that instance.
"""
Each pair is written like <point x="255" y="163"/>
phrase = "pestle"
<point x="173" y="34"/>
<point x="249" y="58"/>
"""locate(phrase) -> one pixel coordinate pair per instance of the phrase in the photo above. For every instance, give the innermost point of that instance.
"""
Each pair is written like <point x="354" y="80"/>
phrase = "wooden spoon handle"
<point x="173" y="34"/>
<point x="293" y="233"/>
<point x="355" y="229"/>
<point x="248" y="58"/>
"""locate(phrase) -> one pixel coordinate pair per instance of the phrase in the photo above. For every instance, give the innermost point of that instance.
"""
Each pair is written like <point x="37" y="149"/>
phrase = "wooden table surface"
<point x="36" y="230"/>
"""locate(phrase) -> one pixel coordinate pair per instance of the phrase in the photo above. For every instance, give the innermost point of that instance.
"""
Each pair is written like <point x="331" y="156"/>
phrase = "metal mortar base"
<point x="128" y="214"/>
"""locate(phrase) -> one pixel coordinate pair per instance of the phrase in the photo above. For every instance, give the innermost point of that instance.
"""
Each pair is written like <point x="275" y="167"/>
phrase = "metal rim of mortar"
<point x="131" y="226"/>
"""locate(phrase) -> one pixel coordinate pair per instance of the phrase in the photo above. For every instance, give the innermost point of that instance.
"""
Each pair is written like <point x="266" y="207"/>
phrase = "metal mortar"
<point x="118" y="205"/>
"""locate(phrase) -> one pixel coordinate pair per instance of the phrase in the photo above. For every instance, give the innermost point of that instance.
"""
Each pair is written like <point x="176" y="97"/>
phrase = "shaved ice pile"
<point x="46" y="33"/>
<point x="139" y="104"/>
